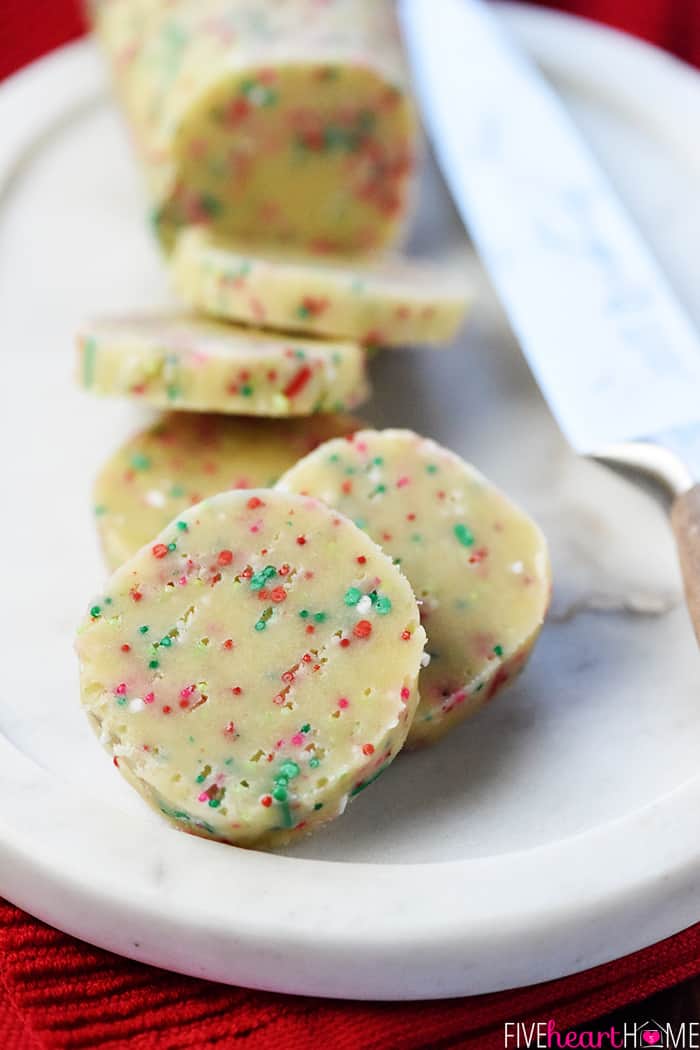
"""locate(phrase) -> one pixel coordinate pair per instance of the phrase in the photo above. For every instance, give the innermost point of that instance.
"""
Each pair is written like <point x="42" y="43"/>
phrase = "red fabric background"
<point x="29" y="28"/>
<point x="56" y="992"/>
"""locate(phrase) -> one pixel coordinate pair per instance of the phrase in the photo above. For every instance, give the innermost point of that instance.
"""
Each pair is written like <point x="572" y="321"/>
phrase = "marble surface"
<point x="558" y="826"/>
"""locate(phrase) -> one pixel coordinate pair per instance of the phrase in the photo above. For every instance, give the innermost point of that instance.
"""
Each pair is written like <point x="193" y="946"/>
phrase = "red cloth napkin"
<point x="56" y="992"/>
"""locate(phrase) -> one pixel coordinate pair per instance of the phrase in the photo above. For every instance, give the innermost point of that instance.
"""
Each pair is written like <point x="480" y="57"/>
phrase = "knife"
<point x="613" y="351"/>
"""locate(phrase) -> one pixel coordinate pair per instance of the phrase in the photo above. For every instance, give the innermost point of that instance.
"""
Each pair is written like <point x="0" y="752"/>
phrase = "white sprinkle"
<point x="517" y="567"/>
<point x="425" y="659"/>
<point x="375" y="475"/>
<point x="364" y="605"/>
<point x="136" y="704"/>
<point x="154" y="498"/>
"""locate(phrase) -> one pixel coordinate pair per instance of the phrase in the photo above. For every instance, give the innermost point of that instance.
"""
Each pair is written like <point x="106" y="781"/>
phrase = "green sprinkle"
<point x="315" y="763"/>
<point x="143" y="630"/>
<point x="201" y="778"/>
<point x="464" y="535"/>
<point x="172" y="546"/>
<point x="166" y="642"/>
<point x="140" y="461"/>
<point x="100" y="509"/>
<point x="304" y="614"/>
<point x="95" y="611"/>
<point x="352" y="596"/>
<point x="431" y="468"/>
<point x="260" y="625"/>
<point x="176" y="492"/>
<point x="214" y="803"/>
<point x="383" y="605"/>
<point x="121" y="702"/>
<point x="305" y="728"/>
<point x="320" y="617"/>
<point x="259" y="579"/>
<point x="279" y="793"/>
<point x="498" y="650"/>
<point x="89" y="355"/>
<point x="247" y="390"/>
<point x="172" y="391"/>
<point x="290" y="769"/>
<point x="153" y="664"/>
<point x="335" y="458"/>
<point x="319" y="805"/>
<point x="182" y="526"/>
<point x="281" y="780"/>
<point x="378" y="461"/>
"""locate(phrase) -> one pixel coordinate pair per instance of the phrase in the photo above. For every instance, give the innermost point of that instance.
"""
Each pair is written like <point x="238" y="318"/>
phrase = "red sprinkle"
<point x="405" y="693"/>
<point x="344" y="642"/>
<point x="310" y="629"/>
<point x="298" y="382"/>
<point x="362" y="629"/>
<point x="284" y="570"/>
<point x="116" y="761"/>
<point x="266" y="801"/>
<point x="347" y="487"/>
<point x="278" y="594"/>
<point x="228" y="644"/>
<point x="236" y="690"/>
<point x="301" y="540"/>
<point x="254" y="503"/>
<point x="126" y="648"/>
<point x="229" y="729"/>
<point x="149" y="698"/>
<point x="184" y="704"/>
<point x="167" y="709"/>
<point x="225" y="557"/>
<point x="368" y="749"/>
<point x="361" y="560"/>
<point x="406" y="636"/>
<point x="343" y="703"/>
<point x="159" y="551"/>
<point x="136" y="596"/>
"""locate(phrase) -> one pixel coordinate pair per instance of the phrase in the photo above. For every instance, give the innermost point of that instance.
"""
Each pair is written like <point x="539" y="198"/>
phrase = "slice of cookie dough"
<point x="291" y="120"/>
<point x="235" y="679"/>
<point x="184" y="457"/>
<point x="394" y="301"/>
<point x="478" y="564"/>
<point x="201" y="366"/>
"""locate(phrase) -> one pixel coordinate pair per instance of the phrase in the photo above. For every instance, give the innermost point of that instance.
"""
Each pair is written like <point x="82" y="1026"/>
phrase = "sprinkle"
<point x="228" y="644"/>
<point x="254" y="503"/>
<point x="464" y="535"/>
<point x="405" y="693"/>
<point x="225" y="557"/>
<point x="236" y="690"/>
<point x="361" y="560"/>
<point x="278" y="594"/>
<point x="298" y="382"/>
<point x="149" y="698"/>
<point x="279" y="793"/>
<point x="498" y="650"/>
<point x="182" y="526"/>
<point x="320" y="617"/>
<point x="153" y="664"/>
<point x="365" y="604"/>
<point x="383" y="605"/>
<point x="159" y="551"/>
<point x="167" y="709"/>
<point x="352" y="596"/>
<point x="126" y="648"/>
<point x="301" y="540"/>
<point x="290" y="769"/>
<point x="344" y="642"/>
<point x="343" y="703"/>
<point x="95" y="611"/>
<point x="406" y="636"/>
<point x="304" y="614"/>
<point x="315" y="763"/>
<point x="368" y="749"/>
<point x="266" y="801"/>
<point x="166" y="642"/>
<point x="362" y="629"/>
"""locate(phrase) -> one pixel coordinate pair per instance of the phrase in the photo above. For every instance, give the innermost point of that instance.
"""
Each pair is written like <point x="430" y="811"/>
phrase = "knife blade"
<point x="611" y="347"/>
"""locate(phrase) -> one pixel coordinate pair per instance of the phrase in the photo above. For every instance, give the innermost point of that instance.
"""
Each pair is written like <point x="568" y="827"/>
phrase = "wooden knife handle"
<point x="685" y="518"/>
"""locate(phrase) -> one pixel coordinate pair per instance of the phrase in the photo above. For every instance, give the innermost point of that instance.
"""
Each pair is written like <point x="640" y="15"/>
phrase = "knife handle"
<point x="685" y="518"/>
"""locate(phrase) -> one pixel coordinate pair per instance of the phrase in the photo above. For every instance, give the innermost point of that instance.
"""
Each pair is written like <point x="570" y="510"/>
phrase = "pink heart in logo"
<point x="651" y="1038"/>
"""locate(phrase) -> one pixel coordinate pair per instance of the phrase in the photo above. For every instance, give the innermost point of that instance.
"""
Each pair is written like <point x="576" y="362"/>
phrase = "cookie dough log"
<point x="201" y="366"/>
<point x="478" y="564"/>
<point x="184" y="457"/>
<point x="394" y="301"/>
<point x="237" y="683"/>
<point x="289" y="121"/>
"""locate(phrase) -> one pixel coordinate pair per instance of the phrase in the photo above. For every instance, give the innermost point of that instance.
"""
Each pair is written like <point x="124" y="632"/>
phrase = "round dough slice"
<point x="185" y="457"/>
<point x="201" y="366"/>
<point x="394" y="301"/>
<point x="238" y="682"/>
<point x="478" y="564"/>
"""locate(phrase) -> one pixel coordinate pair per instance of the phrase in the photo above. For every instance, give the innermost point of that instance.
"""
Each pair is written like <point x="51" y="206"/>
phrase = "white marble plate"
<point x="557" y="830"/>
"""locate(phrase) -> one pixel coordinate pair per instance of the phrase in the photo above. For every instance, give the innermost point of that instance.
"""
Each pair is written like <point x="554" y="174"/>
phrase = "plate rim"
<point x="460" y="948"/>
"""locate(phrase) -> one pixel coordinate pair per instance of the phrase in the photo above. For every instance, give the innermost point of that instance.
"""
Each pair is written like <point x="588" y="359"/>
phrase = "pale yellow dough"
<point x="185" y="363"/>
<point x="394" y="301"/>
<point x="478" y="564"/>
<point x="184" y="457"/>
<point x="290" y="121"/>
<point x="235" y="679"/>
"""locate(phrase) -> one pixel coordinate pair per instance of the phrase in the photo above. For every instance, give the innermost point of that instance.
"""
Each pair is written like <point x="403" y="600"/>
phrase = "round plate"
<point x="555" y="831"/>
